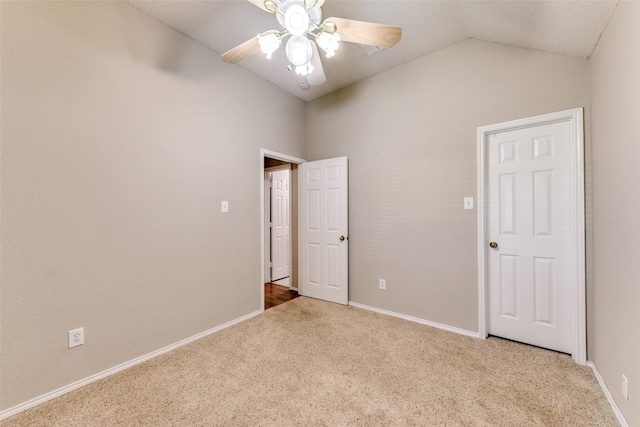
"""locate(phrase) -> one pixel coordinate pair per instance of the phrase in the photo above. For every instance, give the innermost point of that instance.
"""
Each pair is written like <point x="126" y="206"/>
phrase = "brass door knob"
<point x="493" y="245"/>
<point x="342" y="238"/>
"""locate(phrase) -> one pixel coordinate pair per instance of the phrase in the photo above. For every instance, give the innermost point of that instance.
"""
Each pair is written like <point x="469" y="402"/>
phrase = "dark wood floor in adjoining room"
<point x="277" y="294"/>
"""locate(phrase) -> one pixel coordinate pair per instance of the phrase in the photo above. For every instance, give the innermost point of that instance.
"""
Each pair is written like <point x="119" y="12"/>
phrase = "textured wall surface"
<point x="120" y="137"/>
<point x="410" y="135"/>
<point x="615" y="74"/>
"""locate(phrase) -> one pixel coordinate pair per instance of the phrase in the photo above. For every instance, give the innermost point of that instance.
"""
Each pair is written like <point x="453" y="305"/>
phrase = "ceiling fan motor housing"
<point x="312" y="15"/>
<point x="296" y="20"/>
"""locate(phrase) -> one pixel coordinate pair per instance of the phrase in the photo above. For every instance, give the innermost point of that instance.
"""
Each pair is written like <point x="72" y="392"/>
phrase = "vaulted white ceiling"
<point x="559" y="26"/>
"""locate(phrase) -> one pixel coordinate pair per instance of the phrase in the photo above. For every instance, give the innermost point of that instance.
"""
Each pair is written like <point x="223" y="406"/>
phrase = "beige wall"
<point x="115" y="130"/>
<point x="615" y="77"/>
<point x="410" y="135"/>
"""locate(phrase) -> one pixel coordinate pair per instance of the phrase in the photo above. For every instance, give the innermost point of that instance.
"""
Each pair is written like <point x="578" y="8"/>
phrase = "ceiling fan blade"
<point x="244" y="50"/>
<point x="366" y="32"/>
<point x="317" y="77"/>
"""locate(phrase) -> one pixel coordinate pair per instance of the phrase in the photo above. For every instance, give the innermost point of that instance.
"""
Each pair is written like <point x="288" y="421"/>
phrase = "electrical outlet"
<point x="76" y="337"/>
<point x="625" y="387"/>
<point x="383" y="284"/>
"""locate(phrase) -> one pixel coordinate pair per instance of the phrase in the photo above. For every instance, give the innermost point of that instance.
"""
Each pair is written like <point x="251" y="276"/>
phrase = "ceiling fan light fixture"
<point x="307" y="33"/>
<point x="329" y="42"/>
<point x="296" y="20"/>
<point x="269" y="43"/>
<point x="298" y="50"/>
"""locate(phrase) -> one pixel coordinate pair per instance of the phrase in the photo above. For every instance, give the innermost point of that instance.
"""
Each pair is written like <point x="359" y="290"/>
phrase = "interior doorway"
<point x="279" y="236"/>
<point x="278" y="223"/>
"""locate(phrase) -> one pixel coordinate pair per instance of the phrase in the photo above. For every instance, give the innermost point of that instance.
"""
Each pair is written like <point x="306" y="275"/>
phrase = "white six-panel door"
<point x="280" y="224"/>
<point x="323" y="230"/>
<point x="529" y="218"/>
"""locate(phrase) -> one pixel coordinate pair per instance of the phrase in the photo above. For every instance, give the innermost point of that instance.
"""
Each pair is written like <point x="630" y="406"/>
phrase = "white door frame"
<point x="285" y="158"/>
<point x="267" y="208"/>
<point x="578" y="288"/>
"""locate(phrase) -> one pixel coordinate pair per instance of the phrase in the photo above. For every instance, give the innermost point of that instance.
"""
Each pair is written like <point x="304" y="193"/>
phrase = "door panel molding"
<point x="280" y="236"/>
<point x="578" y="288"/>
<point x="267" y="208"/>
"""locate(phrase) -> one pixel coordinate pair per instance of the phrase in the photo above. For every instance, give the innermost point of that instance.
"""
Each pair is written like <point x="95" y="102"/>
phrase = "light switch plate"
<point x="468" y="202"/>
<point x="224" y="206"/>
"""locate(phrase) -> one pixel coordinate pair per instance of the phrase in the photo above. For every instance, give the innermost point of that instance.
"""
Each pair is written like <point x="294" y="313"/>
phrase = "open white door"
<point x="323" y="230"/>
<point x="280" y="225"/>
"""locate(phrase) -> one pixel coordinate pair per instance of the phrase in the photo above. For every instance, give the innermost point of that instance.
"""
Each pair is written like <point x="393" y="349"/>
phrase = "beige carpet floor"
<point x="312" y="363"/>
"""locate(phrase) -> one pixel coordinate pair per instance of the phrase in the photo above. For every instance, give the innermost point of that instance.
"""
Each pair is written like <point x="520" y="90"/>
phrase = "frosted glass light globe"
<point x="269" y="44"/>
<point x="299" y="50"/>
<point x="329" y="43"/>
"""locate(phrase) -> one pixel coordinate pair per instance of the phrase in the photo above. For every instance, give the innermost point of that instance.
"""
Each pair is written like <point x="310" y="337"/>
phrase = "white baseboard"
<point x="66" y="389"/>
<point x="607" y="393"/>
<point x="417" y="320"/>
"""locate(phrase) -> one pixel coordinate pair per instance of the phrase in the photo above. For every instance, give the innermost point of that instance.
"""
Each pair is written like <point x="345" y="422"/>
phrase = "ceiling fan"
<point x="302" y="24"/>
